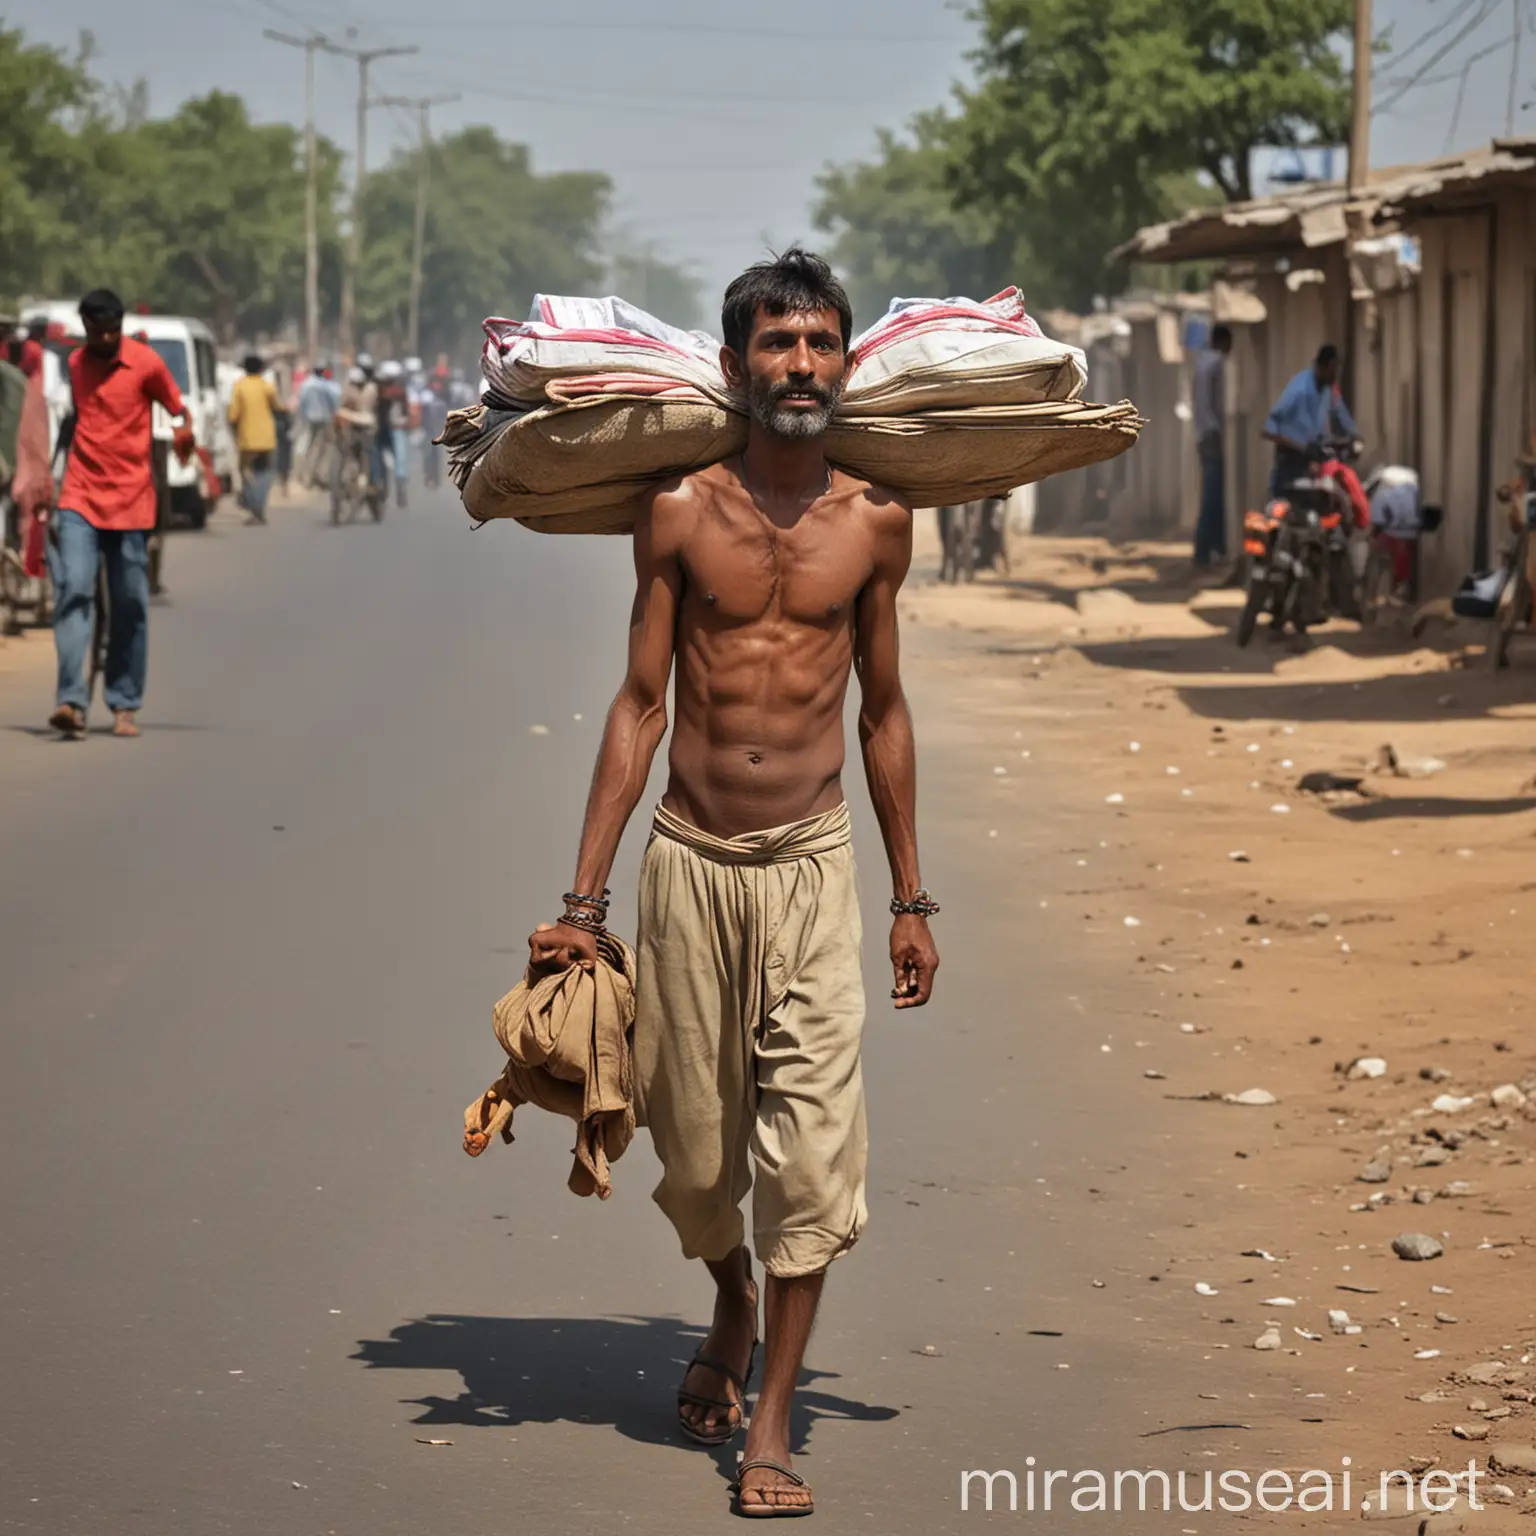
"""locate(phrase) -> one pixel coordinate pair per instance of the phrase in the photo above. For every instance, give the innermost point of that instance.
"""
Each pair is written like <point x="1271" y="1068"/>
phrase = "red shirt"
<point x="31" y="359"/>
<point x="110" y="478"/>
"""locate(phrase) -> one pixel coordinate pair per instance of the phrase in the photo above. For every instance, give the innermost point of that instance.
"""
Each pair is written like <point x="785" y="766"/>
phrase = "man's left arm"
<point x="161" y="388"/>
<point x="890" y="756"/>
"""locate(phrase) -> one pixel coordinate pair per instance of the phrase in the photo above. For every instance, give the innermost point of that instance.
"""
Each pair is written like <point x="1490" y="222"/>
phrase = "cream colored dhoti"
<point x="749" y="1014"/>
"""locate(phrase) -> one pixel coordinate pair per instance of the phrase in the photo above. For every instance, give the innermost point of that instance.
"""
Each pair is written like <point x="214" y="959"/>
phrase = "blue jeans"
<point x="1211" y="525"/>
<point x="72" y="557"/>
<point x="255" y="482"/>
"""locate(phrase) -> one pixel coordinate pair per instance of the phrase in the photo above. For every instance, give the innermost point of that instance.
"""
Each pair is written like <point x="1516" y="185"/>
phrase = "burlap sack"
<point x="610" y="438"/>
<point x="585" y="467"/>
<point x="942" y="457"/>
<point x="609" y="508"/>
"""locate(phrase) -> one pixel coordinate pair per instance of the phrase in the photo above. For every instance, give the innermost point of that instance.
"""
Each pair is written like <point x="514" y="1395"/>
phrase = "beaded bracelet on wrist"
<point x="592" y="922"/>
<point x="921" y="905"/>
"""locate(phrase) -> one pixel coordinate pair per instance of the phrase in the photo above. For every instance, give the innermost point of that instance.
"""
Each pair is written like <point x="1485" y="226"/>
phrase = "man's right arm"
<point x="636" y="724"/>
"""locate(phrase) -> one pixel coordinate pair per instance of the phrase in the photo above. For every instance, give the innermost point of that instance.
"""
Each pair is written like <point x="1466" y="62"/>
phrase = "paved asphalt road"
<point x="248" y="965"/>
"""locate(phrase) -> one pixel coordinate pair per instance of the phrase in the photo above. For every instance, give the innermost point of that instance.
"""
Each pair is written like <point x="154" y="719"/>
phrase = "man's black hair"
<point x="102" y="307"/>
<point x="253" y="363"/>
<point x="1221" y="333"/>
<point x="794" y="283"/>
<point x="1327" y="353"/>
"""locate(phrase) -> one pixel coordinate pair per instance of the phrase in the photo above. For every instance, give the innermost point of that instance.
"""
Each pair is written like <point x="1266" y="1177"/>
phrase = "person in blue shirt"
<point x="1309" y="411"/>
<point x="317" y="404"/>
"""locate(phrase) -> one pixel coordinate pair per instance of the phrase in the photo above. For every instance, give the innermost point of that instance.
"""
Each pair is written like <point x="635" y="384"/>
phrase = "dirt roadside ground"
<point x="1285" y="937"/>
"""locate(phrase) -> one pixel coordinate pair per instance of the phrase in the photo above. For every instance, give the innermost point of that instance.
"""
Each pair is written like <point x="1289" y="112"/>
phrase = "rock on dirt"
<point x="1255" y="1098"/>
<point x="1512" y="1460"/>
<point x="1416" y="1246"/>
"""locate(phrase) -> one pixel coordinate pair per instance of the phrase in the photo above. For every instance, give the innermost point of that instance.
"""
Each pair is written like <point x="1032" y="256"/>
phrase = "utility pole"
<point x="1360" y="120"/>
<point x="364" y="57"/>
<point x="311" y="234"/>
<point x="423" y="106"/>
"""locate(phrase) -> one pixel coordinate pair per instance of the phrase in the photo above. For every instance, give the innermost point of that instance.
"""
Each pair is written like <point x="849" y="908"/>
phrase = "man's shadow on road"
<point x="622" y="1371"/>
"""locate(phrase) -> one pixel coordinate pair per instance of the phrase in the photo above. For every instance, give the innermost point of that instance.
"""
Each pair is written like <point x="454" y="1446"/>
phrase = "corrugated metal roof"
<point x="1319" y="215"/>
<point x="1504" y="162"/>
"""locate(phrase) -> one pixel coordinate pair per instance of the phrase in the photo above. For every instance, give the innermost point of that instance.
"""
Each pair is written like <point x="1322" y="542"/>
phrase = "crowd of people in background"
<point x="402" y="405"/>
<point x="82" y="476"/>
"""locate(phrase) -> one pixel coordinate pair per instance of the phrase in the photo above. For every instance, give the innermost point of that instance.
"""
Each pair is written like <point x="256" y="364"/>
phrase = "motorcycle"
<point x="1298" y="548"/>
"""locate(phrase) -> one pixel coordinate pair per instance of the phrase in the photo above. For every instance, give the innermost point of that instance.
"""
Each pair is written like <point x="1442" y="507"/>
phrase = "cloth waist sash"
<point x="778" y="845"/>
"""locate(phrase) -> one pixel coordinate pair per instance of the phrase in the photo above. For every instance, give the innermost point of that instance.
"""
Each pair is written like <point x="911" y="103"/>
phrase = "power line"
<point x="601" y="94"/>
<point x="1456" y="74"/>
<point x="587" y="28"/>
<point x="1457" y="12"/>
<point x="1485" y="10"/>
<point x="606" y="92"/>
<point x="1461" y="91"/>
<point x="584" y="104"/>
<point x="1514" y="71"/>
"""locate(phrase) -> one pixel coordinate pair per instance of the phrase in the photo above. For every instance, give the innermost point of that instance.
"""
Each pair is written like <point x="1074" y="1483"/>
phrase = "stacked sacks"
<point x="952" y="400"/>
<point x="587" y="404"/>
<point x="590" y="402"/>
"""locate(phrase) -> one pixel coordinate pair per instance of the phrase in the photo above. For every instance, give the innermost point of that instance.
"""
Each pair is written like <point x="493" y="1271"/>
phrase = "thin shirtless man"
<point x="768" y="579"/>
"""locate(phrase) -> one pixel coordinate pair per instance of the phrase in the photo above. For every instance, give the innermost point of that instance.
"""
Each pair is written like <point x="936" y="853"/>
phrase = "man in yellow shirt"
<point x="253" y="414"/>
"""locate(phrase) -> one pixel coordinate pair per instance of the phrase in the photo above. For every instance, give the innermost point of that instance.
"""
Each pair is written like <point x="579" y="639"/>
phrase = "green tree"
<point x="497" y="233"/>
<point x="225" y="198"/>
<point x="896" y="230"/>
<point x="1084" y="110"/>
<point x="46" y="96"/>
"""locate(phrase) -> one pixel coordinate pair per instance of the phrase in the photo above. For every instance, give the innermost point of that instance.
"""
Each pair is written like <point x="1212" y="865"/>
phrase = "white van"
<point x="187" y="348"/>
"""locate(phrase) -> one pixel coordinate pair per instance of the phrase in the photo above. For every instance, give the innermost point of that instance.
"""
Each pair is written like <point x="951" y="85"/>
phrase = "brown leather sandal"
<point x="696" y="1400"/>
<point x="762" y="1510"/>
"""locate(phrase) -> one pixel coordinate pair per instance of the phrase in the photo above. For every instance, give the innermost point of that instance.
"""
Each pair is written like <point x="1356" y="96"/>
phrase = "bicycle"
<point x="352" y="483"/>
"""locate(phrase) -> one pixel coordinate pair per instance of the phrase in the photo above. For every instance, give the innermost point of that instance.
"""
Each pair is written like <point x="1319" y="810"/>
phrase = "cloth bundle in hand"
<point x="590" y="402"/>
<point x="567" y="1037"/>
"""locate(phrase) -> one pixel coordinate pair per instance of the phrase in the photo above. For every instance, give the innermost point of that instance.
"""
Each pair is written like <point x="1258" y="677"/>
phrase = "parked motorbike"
<point x="1298" y="549"/>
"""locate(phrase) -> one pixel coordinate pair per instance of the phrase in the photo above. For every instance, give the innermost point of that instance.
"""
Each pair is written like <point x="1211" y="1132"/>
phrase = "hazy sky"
<point x="712" y="116"/>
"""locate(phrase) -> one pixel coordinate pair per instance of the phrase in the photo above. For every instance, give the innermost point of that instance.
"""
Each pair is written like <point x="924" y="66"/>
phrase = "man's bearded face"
<point x="795" y="366"/>
<point x="793" y="408"/>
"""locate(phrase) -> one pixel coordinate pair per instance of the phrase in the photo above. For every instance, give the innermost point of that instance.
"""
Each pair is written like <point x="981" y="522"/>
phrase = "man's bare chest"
<point x="744" y="571"/>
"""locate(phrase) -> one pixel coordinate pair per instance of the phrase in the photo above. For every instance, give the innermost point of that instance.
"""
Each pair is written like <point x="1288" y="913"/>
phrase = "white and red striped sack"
<point x="959" y="353"/>
<point x="566" y="338"/>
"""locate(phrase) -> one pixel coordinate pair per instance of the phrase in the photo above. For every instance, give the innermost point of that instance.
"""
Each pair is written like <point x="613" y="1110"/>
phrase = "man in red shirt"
<point x="106" y="511"/>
